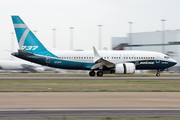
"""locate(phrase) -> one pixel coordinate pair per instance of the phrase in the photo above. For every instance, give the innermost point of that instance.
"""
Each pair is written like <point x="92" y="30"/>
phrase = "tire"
<point x="157" y="74"/>
<point x="92" y="73"/>
<point x="99" y="73"/>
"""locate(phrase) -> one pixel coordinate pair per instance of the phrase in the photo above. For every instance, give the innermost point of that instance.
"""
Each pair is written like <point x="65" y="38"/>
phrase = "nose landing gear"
<point x="158" y="73"/>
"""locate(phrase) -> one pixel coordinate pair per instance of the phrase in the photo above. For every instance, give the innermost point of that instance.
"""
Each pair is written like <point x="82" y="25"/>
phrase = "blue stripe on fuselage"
<point x="57" y="63"/>
<point x="152" y="64"/>
<point x="64" y="64"/>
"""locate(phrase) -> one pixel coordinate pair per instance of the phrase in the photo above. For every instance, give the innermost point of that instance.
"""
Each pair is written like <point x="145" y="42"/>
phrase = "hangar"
<point x="167" y="42"/>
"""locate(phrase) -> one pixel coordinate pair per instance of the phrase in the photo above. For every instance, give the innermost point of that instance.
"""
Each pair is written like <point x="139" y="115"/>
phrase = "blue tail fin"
<point x="26" y="39"/>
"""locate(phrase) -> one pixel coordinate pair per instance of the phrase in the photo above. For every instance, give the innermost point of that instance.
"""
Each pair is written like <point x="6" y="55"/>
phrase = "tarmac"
<point x="60" y="105"/>
<point x="43" y="105"/>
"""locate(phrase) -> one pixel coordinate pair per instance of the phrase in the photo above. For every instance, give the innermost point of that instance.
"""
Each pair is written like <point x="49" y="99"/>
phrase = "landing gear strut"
<point x="99" y="73"/>
<point x="91" y="73"/>
<point x="158" y="73"/>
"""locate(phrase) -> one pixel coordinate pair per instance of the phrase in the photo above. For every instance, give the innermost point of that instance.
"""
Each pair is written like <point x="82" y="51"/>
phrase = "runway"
<point x="60" y="105"/>
<point x="87" y="78"/>
<point x="43" y="105"/>
<point x="87" y="114"/>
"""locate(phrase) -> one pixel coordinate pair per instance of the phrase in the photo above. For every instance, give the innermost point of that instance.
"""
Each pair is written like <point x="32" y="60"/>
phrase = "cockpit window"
<point x="167" y="57"/>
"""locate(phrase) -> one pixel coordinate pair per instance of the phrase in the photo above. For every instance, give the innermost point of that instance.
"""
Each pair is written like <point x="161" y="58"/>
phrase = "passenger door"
<point x="157" y="59"/>
<point x="48" y="59"/>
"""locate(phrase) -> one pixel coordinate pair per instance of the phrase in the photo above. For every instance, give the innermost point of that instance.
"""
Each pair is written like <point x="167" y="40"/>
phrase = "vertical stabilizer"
<point x="26" y="39"/>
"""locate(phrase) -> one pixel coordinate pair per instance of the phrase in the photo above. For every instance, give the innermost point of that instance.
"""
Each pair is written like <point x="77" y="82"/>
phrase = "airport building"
<point x="167" y="42"/>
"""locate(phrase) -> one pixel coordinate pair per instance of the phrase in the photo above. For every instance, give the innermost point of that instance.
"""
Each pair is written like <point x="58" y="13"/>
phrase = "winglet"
<point x="96" y="54"/>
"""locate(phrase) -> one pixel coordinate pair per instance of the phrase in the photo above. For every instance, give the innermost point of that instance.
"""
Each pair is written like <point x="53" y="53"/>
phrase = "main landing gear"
<point x="92" y="73"/>
<point x="158" y="73"/>
<point x="99" y="73"/>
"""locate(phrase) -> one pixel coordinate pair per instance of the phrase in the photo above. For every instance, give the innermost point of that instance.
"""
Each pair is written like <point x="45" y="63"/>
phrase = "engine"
<point x="125" y="68"/>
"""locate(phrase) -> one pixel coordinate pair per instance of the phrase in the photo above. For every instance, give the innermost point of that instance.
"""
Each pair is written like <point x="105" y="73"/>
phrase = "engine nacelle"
<point x="125" y="68"/>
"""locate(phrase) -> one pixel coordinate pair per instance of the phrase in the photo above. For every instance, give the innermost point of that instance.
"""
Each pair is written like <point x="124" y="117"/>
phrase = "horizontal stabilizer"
<point x="25" y="53"/>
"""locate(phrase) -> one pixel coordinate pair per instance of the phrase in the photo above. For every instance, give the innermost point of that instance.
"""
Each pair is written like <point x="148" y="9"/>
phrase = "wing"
<point x="100" y="63"/>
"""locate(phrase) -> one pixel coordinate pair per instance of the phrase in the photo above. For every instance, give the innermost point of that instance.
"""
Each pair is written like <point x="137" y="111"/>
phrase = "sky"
<point x="85" y="16"/>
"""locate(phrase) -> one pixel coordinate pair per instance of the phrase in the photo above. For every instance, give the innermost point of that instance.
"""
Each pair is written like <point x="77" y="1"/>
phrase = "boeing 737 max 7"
<point x="102" y="62"/>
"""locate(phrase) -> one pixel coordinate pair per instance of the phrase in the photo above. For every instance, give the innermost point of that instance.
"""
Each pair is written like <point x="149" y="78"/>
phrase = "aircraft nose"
<point x="173" y="62"/>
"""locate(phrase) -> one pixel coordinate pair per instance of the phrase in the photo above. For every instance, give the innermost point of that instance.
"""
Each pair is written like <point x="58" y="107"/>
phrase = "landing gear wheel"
<point x="99" y="73"/>
<point x="92" y="73"/>
<point x="157" y="74"/>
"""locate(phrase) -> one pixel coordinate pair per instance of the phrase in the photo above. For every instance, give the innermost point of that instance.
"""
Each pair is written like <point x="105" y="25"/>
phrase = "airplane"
<point x="97" y="62"/>
<point x="24" y="66"/>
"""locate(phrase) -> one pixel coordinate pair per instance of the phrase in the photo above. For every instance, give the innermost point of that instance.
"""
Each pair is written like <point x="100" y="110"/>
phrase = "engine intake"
<point x="125" y="68"/>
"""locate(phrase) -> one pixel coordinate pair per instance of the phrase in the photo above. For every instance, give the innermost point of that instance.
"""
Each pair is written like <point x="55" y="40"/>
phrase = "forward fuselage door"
<point x="157" y="59"/>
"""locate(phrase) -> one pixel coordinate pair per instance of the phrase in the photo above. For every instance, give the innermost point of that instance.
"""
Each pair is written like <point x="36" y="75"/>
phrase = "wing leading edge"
<point x="99" y="62"/>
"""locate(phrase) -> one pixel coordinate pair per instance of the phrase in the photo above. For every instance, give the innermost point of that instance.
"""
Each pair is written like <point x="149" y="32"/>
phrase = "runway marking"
<point x="173" y="96"/>
<point x="85" y="109"/>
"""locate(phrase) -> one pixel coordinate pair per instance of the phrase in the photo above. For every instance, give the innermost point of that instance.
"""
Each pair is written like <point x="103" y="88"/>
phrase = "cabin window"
<point x="167" y="57"/>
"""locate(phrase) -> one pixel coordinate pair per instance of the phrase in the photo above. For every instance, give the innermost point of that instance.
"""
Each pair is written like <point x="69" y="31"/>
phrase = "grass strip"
<point x="89" y="85"/>
<point x="117" y="119"/>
